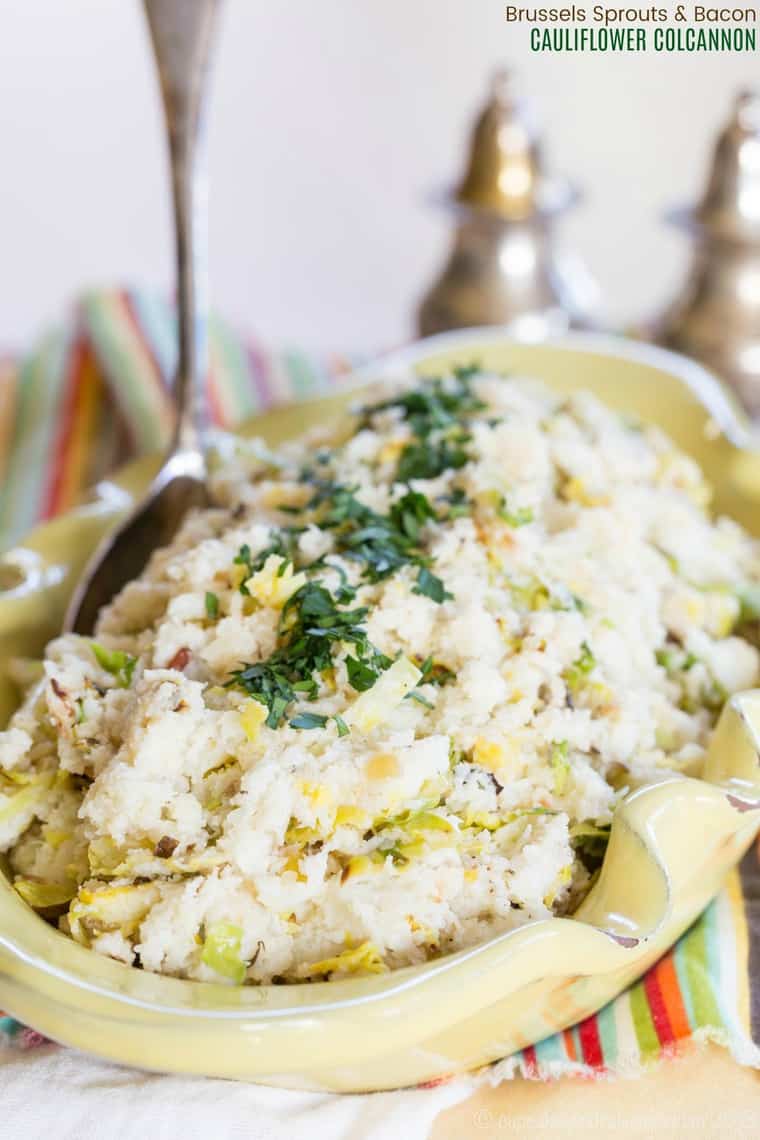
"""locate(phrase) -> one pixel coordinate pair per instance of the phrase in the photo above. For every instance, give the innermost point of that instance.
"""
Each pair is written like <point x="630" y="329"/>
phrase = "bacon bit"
<point x="61" y="717"/>
<point x="180" y="659"/>
<point x="259" y="948"/>
<point x="165" y="847"/>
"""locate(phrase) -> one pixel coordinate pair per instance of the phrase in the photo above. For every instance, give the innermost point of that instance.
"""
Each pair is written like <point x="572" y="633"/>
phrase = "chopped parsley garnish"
<point x="434" y="673"/>
<point x="431" y="674"/>
<point x="428" y="460"/>
<point x="362" y="674"/>
<point x="458" y="505"/>
<point x="381" y="543"/>
<point x="313" y="621"/>
<point x="431" y="586"/>
<point x="435" y="404"/>
<point x="420" y="699"/>
<point x="345" y="592"/>
<point x="340" y="724"/>
<point x="245" y="558"/>
<point x="410" y="513"/>
<point x="282" y="544"/>
<point x="212" y="605"/>
<point x="311" y="626"/>
<point x="436" y="412"/>
<point x="308" y="720"/>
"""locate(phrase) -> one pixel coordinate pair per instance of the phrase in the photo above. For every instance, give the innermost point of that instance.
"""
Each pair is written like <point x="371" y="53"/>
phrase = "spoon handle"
<point x="182" y="33"/>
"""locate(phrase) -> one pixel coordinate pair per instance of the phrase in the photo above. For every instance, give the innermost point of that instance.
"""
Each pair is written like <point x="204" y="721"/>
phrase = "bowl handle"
<point x="733" y="758"/>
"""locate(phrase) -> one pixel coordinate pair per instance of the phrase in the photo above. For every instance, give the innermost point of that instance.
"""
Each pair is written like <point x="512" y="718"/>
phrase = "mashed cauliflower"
<point x="381" y="702"/>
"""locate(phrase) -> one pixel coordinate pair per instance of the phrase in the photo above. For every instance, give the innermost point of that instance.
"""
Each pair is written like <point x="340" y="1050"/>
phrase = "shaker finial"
<point x="504" y="173"/>
<point x="747" y="109"/>
<point x="730" y="205"/>
<point x="501" y="85"/>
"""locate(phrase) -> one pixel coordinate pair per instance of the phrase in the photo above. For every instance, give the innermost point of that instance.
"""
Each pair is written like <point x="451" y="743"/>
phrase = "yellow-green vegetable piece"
<point x="42" y="895"/>
<point x="221" y="951"/>
<point x="115" y="661"/>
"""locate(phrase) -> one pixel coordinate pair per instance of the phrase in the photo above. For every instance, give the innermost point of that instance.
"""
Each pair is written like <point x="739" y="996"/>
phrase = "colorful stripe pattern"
<point x="91" y="395"/>
<point x="698" y="990"/>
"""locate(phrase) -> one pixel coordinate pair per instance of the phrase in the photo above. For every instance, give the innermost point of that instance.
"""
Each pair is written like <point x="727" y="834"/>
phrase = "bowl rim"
<point x="714" y="394"/>
<point x="724" y="410"/>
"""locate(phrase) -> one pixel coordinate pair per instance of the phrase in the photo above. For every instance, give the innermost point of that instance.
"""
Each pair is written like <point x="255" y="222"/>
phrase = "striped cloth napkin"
<point x="95" y="392"/>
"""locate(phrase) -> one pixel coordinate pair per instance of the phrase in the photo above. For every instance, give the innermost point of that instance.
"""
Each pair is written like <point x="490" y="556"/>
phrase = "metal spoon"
<point x="182" y="32"/>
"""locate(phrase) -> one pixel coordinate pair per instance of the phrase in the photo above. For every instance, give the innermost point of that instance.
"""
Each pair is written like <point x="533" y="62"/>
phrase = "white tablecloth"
<point x="59" y="1094"/>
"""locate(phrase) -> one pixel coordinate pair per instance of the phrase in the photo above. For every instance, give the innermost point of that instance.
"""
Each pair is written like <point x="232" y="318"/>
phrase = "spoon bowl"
<point x="123" y="553"/>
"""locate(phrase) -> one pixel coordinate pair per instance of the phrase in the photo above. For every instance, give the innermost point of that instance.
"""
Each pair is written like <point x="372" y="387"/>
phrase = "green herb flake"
<point x="434" y="673"/>
<point x="340" y="724"/>
<point x="115" y="661"/>
<point x="308" y="720"/>
<point x="345" y="593"/>
<point x="419" y="698"/>
<point x="410" y="514"/>
<point x="457" y="504"/>
<point x="430" y="586"/>
<point x="584" y="664"/>
<point x="212" y="606"/>
<point x="429" y="460"/>
<point x="675" y="660"/>
<point x="362" y="673"/>
<point x="282" y="544"/>
<point x="520" y="516"/>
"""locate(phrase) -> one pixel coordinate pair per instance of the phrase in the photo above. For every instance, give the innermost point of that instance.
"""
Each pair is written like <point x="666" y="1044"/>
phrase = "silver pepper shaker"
<point x="505" y="266"/>
<point x="716" y="317"/>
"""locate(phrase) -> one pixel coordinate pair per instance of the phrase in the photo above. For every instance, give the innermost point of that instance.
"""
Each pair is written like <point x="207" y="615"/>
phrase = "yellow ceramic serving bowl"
<point x="670" y="848"/>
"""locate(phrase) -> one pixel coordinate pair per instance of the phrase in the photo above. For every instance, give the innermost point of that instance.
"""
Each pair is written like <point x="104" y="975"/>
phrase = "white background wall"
<point x="331" y="120"/>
